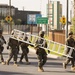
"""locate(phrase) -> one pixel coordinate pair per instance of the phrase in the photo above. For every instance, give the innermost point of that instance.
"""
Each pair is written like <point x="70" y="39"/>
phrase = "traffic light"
<point x="63" y="20"/>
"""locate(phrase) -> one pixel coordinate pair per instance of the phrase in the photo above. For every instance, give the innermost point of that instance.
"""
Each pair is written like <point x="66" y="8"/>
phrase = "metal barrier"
<point x="52" y="46"/>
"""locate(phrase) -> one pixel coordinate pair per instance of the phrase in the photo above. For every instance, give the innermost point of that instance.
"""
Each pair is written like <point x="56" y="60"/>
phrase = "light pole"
<point x="67" y="19"/>
<point x="9" y="7"/>
<point x="10" y="15"/>
<point x="48" y="19"/>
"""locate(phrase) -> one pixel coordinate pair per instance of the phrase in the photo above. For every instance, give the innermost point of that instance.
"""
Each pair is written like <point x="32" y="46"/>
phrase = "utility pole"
<point x="10" y="15"/>
<point x="23" y="8"/>
<point x="48" y="19"/>
<point x="9" y="7"/>
<point x="67" y="20"/>
<point x="38" y="25"/>
<point x="48" y="9"/>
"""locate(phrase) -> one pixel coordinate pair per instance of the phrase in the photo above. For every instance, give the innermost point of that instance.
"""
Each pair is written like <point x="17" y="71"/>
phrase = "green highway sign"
<point x="42" y="20"/>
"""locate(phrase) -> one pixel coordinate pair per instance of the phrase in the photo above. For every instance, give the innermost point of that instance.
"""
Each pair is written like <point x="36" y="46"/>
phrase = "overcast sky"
<point x="35" y="5"/>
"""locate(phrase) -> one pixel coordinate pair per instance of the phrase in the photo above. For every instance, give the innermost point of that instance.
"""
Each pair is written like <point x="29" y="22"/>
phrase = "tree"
<point x="18" y="21"/>
<point x="2" y="22"/>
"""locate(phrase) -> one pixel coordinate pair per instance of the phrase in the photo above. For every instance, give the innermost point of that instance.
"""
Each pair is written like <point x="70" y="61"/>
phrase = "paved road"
<point x="53" y="66"/>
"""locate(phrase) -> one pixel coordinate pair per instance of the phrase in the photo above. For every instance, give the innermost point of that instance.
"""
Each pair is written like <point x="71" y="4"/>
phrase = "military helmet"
<point x="71" y="33"/>
<point x="41" y="33"/>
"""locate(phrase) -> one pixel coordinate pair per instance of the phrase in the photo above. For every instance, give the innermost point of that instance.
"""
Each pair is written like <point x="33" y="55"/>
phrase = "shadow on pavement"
<point x="61" y="71"/>
<point x="12" y="73"/>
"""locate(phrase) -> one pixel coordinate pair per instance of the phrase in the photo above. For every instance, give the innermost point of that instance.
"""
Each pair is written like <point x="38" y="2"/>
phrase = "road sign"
<point x="42" y="20"/>
<point x="8" y="18"/>
<point x="63" y="20"/>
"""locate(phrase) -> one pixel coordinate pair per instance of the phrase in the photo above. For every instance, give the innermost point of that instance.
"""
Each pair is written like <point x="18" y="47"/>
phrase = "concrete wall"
<point x="25" y="28"/>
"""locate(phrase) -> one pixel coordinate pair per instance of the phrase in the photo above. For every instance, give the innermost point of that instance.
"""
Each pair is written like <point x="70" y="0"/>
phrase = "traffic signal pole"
<point x="47" y="29"/>
<point x="67" y="21"/>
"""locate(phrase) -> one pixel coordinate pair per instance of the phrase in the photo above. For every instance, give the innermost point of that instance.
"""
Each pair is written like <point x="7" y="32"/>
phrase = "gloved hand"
<point x="48" y="51"/>
<point x="36" y="46"/>
<point x="7" y="47"/>
<point x="5" y="42"/>
<point x="32" y="45"/>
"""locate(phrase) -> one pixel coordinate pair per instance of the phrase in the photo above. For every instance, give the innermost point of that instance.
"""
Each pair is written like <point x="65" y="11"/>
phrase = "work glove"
<point x="7" y="47"/>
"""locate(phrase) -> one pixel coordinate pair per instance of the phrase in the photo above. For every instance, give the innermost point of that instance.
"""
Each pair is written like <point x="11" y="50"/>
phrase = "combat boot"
<point x="15" y="64"/>
<point x="64" y="65"/>
<point x="7" y="63"/>
<point x="27" y="63"/>
<point x="40" y="69"/>
<point x="3" y="63"/>
<point x="20" y="62"/>
<point x="73" y="68"/>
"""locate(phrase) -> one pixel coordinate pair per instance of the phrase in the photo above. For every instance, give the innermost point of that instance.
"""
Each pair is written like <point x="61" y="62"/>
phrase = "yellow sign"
<point x="8" y="18"/>
<point x="63" y="20"/>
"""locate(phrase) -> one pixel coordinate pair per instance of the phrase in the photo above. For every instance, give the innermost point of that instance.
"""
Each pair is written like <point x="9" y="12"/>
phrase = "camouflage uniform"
<point x="14" y="49"/>
<point x="2" y="41"/>
<point x="41" y="53"/>
<point x="25" y="50"/>
<point x="70" y="42"/>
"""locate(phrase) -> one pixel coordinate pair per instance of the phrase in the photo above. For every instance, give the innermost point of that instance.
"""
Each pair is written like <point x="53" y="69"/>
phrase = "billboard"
<point x="32" y="18"/>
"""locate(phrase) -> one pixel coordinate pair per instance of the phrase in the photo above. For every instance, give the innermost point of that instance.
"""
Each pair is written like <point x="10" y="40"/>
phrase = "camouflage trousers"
<point x="13" y="54"/>
<point x="69" y="60"/>
<point x="72" y="60"/>
<point x="24" y="54"/>
<point x="1" y="55"/>
<point x="41" y="60"/>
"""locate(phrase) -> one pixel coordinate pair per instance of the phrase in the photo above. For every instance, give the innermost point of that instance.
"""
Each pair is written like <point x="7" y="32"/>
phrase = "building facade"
<point x="4" y="10"/>
<point x="15" y="13"/>
<point x="54" y="15"/>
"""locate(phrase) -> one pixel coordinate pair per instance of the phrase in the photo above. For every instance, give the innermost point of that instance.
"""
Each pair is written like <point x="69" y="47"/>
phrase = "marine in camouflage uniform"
<point x="13" y="45"/>
<point x="41" y="53"/>
<point x="25" y="50"/>
<point x="70" y="42"/>
<point x="2" y="41"/>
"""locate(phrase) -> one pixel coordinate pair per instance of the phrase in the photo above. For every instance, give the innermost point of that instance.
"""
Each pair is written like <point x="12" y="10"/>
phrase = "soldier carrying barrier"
<point x="52" y="46"/>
